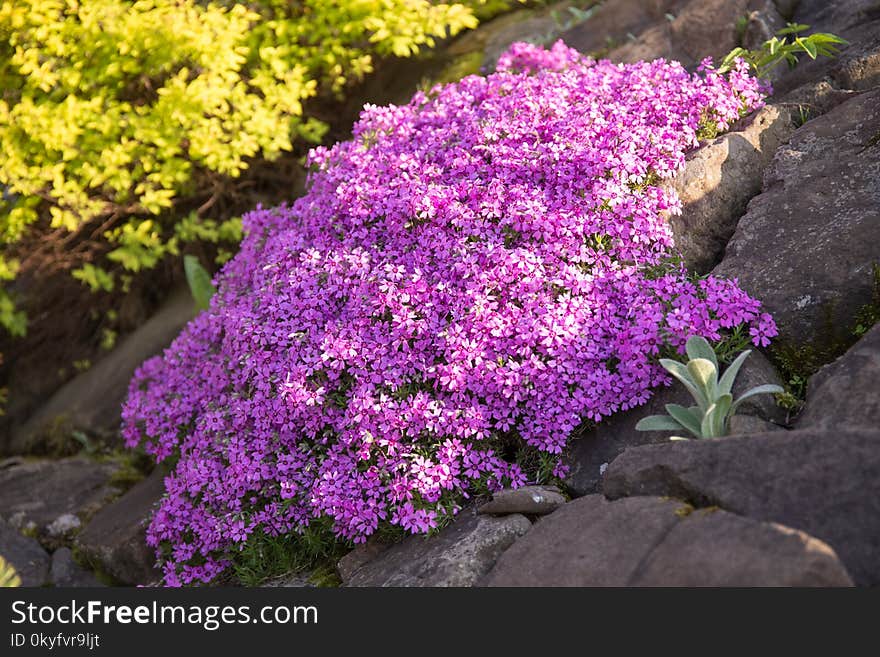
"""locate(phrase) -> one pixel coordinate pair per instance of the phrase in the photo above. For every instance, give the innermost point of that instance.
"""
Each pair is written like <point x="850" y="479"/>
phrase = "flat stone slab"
<point x="820" y="481"/>
<point x="52" y="496"/>
<point x="652" y="541"/>
<point x="461" y="554"/>
<point x="528" y="500"/>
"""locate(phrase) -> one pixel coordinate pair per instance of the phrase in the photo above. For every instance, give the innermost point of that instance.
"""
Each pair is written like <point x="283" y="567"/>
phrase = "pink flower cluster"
<point x="476" y="272"/>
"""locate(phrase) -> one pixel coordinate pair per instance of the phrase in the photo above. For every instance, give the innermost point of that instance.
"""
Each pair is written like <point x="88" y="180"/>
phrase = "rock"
<point x="30" y="561"/>
<point x="740" y="424"/>
<point x="717" y="182"/>
<point x="294" y="581"/>
<point x="651" y="541"/>
<point x="360" y="555"/>
<point x="92" y="401"/>
<point x="762" y="25"/>
<point x="612" y="23"/>
<point x="529" y="500"/>
<point x="459" y="555"/>
<point x="63" y="526"/>
<point x="820" y="84"/>
<point x="601" y="444"/>
<point x="845" y="393"/>
<point x="714" y="548"/>
<point x="65" y="572"/>
<point x="819" y="217"/>
<point x="691" y="31"/>
<point x="587" y="542"/>
<point x="818" y="481"/>
<point x="786" y="8"/>
<point x="114" y="540"/>
<point x="51" y="496"/>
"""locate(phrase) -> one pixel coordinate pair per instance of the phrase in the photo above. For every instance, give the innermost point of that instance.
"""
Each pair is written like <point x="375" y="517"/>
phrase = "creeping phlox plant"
<point x="467" y="280"/>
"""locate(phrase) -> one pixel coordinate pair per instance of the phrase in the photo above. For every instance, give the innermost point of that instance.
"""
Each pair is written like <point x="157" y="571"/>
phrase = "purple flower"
<point x="472" y="275"/>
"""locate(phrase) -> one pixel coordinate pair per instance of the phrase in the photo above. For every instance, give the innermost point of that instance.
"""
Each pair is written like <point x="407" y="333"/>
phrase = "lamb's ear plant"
<point x="778" y="49"/>
<point x="715" y="405"/>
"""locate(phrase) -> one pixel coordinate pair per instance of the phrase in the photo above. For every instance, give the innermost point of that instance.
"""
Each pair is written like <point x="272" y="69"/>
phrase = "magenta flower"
<point x="470" y="277"/>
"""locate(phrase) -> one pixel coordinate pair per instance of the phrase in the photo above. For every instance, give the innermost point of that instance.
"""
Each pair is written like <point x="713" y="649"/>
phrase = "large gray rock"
<point x="591" y="452"/>
<point x="807" y="244"/>
<point x="711" y="547"/>
<point x="846" y="393"/>
<point x="114" y="541"/>
<point x="92" y="401"/>
<point x="51" y="497"/>
<point x="30" y="561"/>
<point x="818" y="481"/>
<point x="66" y="573"/>
<point x="718" y="181"/>
<point x="459" y="555"/>
<point x="652" y="541"/>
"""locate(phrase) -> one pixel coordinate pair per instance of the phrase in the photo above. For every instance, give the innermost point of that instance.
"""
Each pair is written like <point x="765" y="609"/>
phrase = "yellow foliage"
<point x="111" y="106"/>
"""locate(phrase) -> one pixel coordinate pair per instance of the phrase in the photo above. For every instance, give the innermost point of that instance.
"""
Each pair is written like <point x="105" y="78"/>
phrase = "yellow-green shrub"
<point x="111" y="109"/>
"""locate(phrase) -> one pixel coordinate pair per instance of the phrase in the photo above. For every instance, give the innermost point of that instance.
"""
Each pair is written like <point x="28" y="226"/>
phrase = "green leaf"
<point x="706" y="424"/>
<point x="658" y="423"/>
<point x="727" y="380"/>
<point x="681" y="373"/>
<point x="766" y="389"/>
<point x="719" y="415"/>
<point x="793" y="28"/>
<point x="808" y="46"/>
<point x="199" y="281"/>
<point x="705" y="375"/>
<point x="698" y="347"/>
<point x="686" y="417"/>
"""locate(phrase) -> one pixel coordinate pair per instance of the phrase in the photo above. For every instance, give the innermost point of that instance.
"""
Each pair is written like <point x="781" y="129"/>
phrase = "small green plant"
<point x="8" y="577"/>
<point x="784" y="47"/>
<point x="710" y="418"/>
<point x="199" y="281"/>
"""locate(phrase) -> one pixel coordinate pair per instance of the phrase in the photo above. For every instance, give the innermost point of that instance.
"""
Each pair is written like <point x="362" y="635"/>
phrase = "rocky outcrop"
<point x="683" y="30"/>
<point x="92" y="401"/>
<point x="528" y="500"/>
<point x="807" y="244"/>
<point x="50" y="498"/>
<point x="114" y="541"/>
<point x="814" y="480"/>
<point x="459" y="555"/>
<point x="651" y="541"/>
<point x="25" y="555"/>
<point x="718" y="181"/>
<point x="590" y="453"/>
<point x="845" y="393"/>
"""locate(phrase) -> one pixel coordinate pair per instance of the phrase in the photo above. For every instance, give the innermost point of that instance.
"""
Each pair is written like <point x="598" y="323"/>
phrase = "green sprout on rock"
<point x="710" y="418"/>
